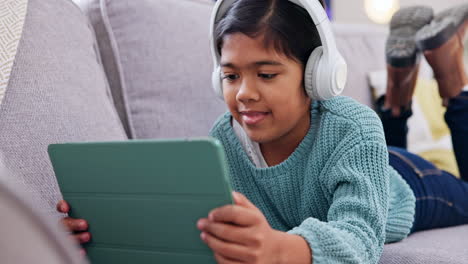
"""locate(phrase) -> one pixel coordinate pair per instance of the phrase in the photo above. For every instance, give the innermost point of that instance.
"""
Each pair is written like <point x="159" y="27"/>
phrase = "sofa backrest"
<point x="157" y="59"/>
<point x="363" y="48"/>
<point x="57" y="92"/>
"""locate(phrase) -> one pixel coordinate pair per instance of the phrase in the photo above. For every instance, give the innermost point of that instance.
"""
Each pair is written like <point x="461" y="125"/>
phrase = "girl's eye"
<point x="231" y="77"/>
<point x="267" y="76"/>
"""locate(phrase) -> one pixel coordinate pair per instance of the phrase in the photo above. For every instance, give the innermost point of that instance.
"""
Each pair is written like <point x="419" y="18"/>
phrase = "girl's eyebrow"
<point x="274" y="63"/>
<point x="257" y="63"/>
<point x="228" y="65"/>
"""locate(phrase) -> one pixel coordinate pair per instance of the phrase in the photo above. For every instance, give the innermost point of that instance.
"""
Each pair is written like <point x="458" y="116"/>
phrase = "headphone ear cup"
<point x="217" y="82"/>
<point x="310" y="73"/>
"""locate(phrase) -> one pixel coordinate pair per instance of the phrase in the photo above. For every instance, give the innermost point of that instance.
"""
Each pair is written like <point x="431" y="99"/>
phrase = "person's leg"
<point x="442" y="44"/>
<point x="443" y="48"/>
<point x="456" y="118"/>
<point x="395" y="127"/>
<point x="449" y="69"/>
<point x="402" y="55"/>
<point x="441" y="199"/>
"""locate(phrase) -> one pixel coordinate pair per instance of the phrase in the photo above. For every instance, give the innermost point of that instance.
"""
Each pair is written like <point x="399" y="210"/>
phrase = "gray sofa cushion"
<point x="57" y="93"/>
<point x="438" y="246"/>
<point x="156" y="54"/>
<point x="363" y="49"/>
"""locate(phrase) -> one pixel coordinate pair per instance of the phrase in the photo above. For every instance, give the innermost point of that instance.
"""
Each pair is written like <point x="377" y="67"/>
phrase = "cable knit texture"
<point x="336" y="190"/>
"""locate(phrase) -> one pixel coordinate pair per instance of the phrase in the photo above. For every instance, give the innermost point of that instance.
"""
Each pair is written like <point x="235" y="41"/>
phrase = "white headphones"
<point x="326" y="70"/>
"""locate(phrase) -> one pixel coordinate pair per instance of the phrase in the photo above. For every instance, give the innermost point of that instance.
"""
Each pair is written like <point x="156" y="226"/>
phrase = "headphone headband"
<point x="314" y="8"/>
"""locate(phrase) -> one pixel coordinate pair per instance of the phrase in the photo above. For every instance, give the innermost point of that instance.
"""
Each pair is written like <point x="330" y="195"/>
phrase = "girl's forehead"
<point x="238" y="41"/>
<point x="239" y="46"/>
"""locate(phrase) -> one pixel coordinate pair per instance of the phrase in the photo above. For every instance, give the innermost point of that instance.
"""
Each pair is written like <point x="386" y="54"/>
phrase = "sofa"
<point x="102" y="70"/>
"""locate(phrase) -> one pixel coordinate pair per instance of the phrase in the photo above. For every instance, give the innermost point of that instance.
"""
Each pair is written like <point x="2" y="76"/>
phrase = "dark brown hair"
<point x="285" y="26"/>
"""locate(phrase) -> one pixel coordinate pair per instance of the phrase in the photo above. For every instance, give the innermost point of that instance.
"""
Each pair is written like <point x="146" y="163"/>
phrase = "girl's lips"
<point x="253" y="118"/>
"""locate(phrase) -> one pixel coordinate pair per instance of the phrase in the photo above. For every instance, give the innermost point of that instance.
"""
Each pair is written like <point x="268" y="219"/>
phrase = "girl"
<point x="313" y="179"/>
<point x="315" y="174"/>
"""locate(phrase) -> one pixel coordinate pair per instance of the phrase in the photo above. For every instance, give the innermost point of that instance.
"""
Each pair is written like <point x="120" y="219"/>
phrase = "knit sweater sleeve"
<point x="355" y="228"/>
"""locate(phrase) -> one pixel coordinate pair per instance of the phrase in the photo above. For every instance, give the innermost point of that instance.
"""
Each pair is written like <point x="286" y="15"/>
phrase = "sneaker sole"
<point x="401" y="49"/>
<point x="442" y="28"/>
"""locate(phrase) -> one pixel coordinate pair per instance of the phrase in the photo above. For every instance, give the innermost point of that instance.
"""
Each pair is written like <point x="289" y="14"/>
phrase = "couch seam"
<point x="116" y="55"/>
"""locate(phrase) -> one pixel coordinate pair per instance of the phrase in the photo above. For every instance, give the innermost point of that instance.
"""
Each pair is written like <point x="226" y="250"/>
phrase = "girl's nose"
<point x="247" y="91"/>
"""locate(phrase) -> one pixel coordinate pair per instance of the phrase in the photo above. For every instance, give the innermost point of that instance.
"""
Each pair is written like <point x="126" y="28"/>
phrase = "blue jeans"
<point x="441" y="199"/>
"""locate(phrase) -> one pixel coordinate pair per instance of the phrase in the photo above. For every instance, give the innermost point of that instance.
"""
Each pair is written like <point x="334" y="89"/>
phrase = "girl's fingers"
<point x="63" y="207"/>
<point x="230" y="251"/>
<point x="226" y="232"/>
<point x="241" y="200"/>
<point x="82" y="238"/>
<point x="75" y="225"/>
<point x="223" y="260"/>
<point x="235" y="214"/>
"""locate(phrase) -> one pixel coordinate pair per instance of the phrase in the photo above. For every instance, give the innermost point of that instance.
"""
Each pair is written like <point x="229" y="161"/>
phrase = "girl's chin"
<point x="258" y="136"/>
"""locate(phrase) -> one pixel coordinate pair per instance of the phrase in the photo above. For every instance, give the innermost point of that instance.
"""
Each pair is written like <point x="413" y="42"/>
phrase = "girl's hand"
<point x="240" y="234"/>
<point x="78" y="227"/>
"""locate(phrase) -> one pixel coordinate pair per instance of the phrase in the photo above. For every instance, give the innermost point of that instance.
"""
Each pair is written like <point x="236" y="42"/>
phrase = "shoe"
<point x="402" y="55"/>
<point x="441" y="41"/>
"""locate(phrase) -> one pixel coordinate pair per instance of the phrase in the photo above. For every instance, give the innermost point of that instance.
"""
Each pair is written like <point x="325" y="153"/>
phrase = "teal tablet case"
<point x="142" y="199"/>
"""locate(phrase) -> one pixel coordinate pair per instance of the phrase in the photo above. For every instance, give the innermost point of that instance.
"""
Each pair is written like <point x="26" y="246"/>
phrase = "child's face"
<point x="264" y="90"/>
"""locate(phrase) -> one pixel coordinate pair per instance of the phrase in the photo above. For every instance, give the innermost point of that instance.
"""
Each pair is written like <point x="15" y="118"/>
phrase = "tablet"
<point x="142" y="198"/>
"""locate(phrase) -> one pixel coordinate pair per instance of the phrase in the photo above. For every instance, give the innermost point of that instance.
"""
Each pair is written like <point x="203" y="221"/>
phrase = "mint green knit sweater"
<point x="336" y="190"/>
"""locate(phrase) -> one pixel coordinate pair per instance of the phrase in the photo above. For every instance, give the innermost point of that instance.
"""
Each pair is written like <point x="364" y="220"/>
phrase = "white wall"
<point x="352" y="11"/>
